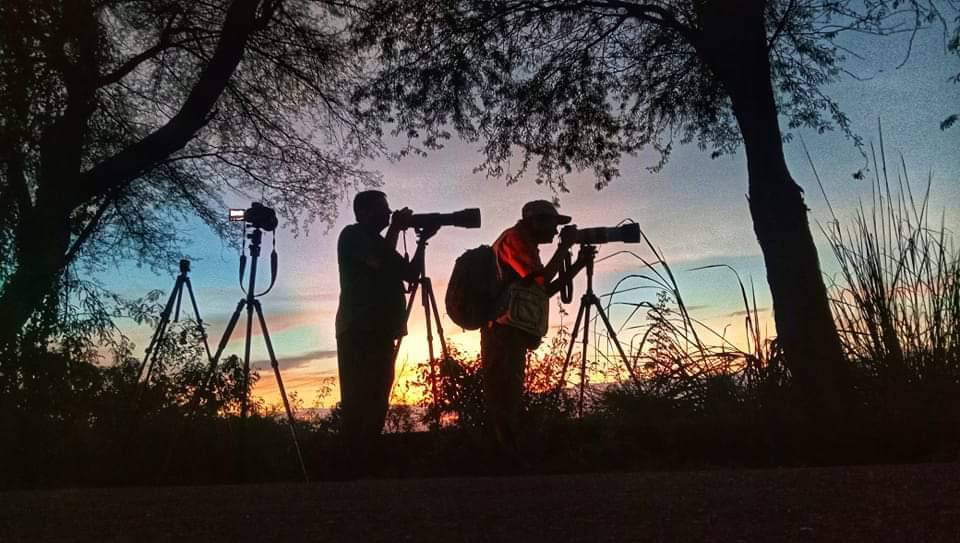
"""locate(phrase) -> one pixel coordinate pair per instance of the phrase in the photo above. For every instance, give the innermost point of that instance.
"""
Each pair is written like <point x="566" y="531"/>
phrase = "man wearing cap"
<point x="503" y="345"/>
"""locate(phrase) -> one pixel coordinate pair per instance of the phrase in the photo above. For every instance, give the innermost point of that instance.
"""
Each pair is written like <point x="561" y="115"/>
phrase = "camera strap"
<point x="406" y="256"/>
<point x="566" y="288"/>
<point x="274" y="264"/>
<point x="243" y="257"/>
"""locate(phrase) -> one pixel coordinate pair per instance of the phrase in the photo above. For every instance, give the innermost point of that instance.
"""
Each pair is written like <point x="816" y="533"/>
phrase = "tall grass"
<point x="672" y="355"/>
<point x="897" y="298"/>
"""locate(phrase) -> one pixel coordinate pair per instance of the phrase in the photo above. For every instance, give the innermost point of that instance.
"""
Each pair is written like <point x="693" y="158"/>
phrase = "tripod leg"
<point x="583" y="358"/>
<point x="159" y="332"/>
<point x="176" y="312"/>
<point x="406" y="319"/>
<point x="573" y="342"/>
<point x="207" y="381"/>
<point x="613" y="336"/>
<point x="223" y="344"/>
<point x="246" y="366"/>
<point x="436" y="318"/>
<point x="283" y="392"/>
<point x="433" y="362"/>
<point x="149" y="360"/>
<point x="146" y="369"/>
<point x="244" y="397"/>
<point x="196" y="312"/>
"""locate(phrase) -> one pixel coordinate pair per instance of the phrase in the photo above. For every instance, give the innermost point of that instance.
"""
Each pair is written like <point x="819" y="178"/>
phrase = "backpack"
<point x="472" y="293"/>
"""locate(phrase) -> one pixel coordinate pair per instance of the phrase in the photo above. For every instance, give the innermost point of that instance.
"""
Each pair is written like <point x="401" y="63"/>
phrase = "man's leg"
<point x="380" y="380"/>
<point x="503" y="358"/>
<point x="366" y="379"/>
<point x="349" y="366"/>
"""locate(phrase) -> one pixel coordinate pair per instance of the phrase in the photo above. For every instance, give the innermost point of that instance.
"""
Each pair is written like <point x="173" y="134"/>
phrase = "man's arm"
<point x="567" y="237"/>
<point x="399" y="221"/>
<point x="409" y="271"/>
<point x="389" y="259"/>
<point x="584" y="257"/>
<point x="378" y="255"/>
<point x="553" y="266"/>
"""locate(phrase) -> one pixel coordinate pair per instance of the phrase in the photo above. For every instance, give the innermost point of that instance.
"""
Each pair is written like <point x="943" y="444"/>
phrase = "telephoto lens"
<point x="627" y="233"/>
<point x="465" y="218"/>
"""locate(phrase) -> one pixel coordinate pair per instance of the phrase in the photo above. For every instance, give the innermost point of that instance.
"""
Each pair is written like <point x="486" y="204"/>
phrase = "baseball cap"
<point x="543" y="208"/>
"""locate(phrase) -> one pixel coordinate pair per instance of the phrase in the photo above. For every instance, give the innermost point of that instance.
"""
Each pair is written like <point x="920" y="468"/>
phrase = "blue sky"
<point x="694" y="211"/>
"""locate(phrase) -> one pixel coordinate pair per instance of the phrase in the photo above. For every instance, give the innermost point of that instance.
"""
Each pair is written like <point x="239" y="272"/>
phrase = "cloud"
<point x="290" y="362"/>
<point x="277" y="321"/>
<point x="305" y="385"/>
<point x="743" y="313"/>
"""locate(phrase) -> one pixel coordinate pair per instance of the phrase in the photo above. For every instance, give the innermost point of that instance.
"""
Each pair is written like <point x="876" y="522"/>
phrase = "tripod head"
<point x="588" y="252"/>
<point x="424" y="233"/>
<point x="419" y="258"/>
<point x="585" y="258"/>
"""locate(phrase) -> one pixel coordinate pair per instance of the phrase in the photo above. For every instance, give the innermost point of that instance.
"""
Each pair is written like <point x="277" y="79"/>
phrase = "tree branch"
<point x="650" y="13"/>
<point x="90" y="227"/>
<point x="131" y="64"/>
<point x="144" y="155"/>
<point x="781" y="25"/>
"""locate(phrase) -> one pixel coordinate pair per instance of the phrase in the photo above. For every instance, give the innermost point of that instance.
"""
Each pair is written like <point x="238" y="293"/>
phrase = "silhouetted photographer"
<point x="521" y="321"/>
<point x="371" y="314"/>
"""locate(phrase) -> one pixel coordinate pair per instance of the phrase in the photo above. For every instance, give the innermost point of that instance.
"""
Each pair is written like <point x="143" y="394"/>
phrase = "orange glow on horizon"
<point x="307" y="382"/>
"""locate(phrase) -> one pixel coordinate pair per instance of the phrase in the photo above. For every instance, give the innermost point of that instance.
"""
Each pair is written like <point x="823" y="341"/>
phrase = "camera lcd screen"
<point x="236" y="214"/>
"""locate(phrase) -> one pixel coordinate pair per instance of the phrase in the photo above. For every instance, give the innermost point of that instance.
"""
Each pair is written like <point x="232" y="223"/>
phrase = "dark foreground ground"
<point x="909" y="503"/>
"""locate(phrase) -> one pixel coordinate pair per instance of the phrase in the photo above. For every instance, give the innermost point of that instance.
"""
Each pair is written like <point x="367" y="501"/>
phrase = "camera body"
<point x="465" y="218"/>
<point x="627" y="233"/>
<point x="257" y="215"/>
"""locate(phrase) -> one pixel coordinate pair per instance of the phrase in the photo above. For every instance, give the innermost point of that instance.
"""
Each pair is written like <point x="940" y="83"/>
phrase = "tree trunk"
<point x="42" y="240"/>
<point x="734" y="43"/>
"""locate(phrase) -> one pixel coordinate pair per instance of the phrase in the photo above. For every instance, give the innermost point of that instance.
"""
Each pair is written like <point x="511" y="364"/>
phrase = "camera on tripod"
<point x="257" y="215"/>
<point x="627" y="233"/>
<point x="465" y="218"/>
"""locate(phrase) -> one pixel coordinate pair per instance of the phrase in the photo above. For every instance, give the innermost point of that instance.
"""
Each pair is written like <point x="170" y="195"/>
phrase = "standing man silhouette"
<point x="370" y="317"/>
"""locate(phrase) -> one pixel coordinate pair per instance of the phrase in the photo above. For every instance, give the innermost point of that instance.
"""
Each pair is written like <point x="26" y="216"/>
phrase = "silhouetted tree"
<point x="575" y="84"/>
<point x="120" y="118"/>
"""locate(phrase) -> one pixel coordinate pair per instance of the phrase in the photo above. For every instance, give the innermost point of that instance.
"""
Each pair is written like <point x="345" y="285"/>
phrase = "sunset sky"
<point x="694" y="211"/>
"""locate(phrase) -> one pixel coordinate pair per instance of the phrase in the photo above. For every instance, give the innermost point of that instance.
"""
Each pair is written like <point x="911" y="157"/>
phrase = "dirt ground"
<point x="903" y="503"/>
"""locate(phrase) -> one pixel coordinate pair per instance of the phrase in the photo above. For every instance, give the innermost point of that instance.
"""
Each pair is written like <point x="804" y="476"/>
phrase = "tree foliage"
<point x="574" y="85"/>
<point x="121" y="119"/>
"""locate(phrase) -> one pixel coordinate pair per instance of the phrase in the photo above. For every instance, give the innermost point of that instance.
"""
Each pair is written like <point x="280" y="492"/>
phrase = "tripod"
<point x="176" y="296"/>
<point x="588" y="301"/>
<point x="429" y="302"/>
<point x="152" y="350"/>
<point x="253" y="304"/>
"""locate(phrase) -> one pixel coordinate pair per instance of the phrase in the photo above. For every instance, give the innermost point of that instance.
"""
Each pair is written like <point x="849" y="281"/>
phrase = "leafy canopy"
<point x="283" y="130"/>
<point x="572" y="85"/>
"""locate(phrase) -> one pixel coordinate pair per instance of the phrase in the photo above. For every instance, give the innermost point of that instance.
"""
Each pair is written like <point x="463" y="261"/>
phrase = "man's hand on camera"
<point x="586" y="255"/>
<point x="427" y="232"/>
<point x="567" y="237"/>
<point x="401" y="219"/>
